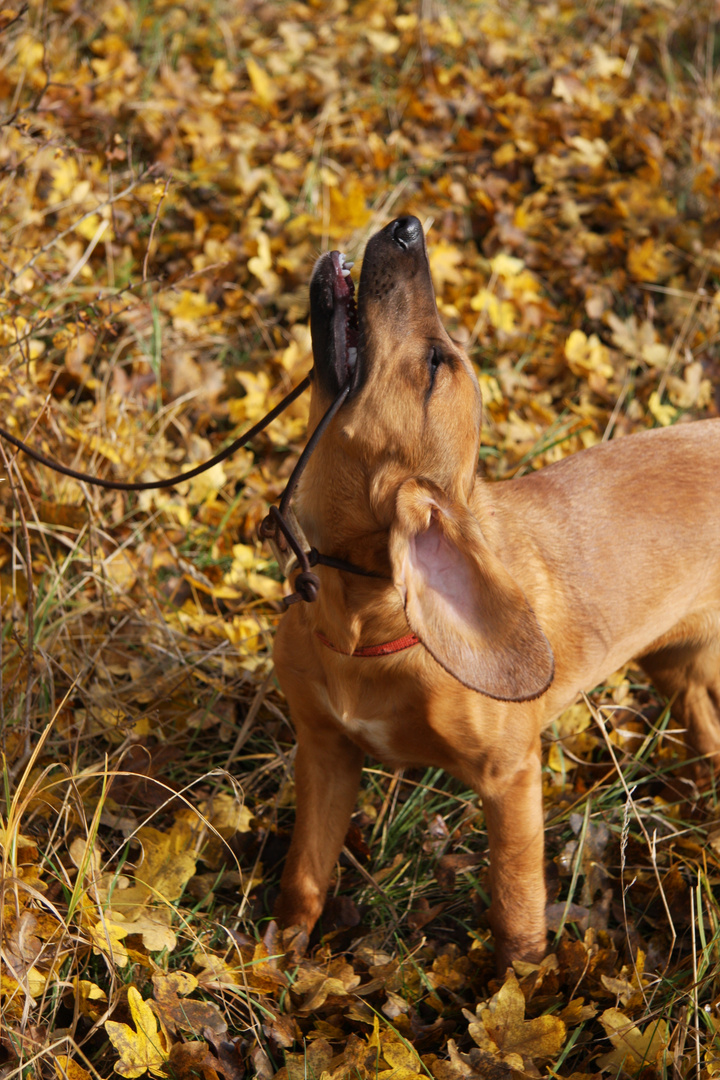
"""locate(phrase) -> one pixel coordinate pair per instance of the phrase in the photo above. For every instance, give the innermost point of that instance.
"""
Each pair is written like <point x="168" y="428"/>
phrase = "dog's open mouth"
<point x="345" y="299"/>
<point x="334" y="321"/>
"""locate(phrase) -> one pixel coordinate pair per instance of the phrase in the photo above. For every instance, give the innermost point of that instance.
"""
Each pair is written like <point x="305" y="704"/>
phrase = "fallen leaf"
<point x="632" y="1047"/>
<point x="503" y="1022"/>
<point x="144" y="1048"/>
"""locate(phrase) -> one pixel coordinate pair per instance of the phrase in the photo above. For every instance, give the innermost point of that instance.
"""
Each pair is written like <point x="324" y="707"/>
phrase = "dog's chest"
<point x="386" y="710"/>
<point x="363" y="718"/>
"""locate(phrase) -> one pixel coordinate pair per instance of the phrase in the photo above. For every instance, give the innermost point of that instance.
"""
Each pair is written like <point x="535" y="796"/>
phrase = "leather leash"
<point x="280" y="527"/>
<point x="170" y="481"/>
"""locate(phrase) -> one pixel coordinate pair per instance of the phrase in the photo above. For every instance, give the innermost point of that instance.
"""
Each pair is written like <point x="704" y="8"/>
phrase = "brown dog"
<point x="520" y="594"/>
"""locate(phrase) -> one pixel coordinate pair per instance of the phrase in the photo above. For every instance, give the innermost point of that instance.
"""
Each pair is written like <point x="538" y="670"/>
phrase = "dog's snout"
<point x="407" y="232"/>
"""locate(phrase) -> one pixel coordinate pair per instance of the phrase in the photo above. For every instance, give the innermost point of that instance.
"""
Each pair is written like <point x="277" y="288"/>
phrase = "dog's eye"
<point x="435" y="359"/>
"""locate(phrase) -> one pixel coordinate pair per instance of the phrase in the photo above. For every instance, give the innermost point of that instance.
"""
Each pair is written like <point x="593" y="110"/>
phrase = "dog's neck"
<point x="351" y="610"/>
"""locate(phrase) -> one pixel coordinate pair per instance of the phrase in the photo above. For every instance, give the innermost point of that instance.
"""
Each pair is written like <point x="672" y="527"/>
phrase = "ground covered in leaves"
<point x="168" y="173"/>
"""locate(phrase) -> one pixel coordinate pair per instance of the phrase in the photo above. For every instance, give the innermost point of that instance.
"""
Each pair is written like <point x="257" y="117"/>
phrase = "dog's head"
<point x="401" y="457"/>
<point x="414" y="405"/>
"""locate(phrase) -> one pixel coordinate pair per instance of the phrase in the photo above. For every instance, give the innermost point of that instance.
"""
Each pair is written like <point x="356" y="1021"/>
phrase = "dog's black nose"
<point x="407" y="232"/>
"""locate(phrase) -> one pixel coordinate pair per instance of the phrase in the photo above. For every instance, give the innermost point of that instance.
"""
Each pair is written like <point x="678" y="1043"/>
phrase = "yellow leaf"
<point x="216" y="973"/>
<point x="629" y="1042"/>
<point x="107" y="938"/>
<point x="261" y="265"/>
<point x="68" y="1069"/>
<point x="656" y="355"/>
<point x="94" y="229"/>
<point x="30" y="54"/>
<point x="403" y="1060"/>
<point x="558" y="761"/>
<point x="222" y="78"/>
<point x="91" y="998"/>
<point x="664" y="414"/>
<point x="11" y="841"/>
<point x="587" y="355"/>
<point x="168" y="861"/>
<point x="244" y="556"/>
<point x="501" y="313"/>
<point x="245" y="632"/>
<point x="204" y="488"/>
<point x="444" y="262"/>
<point x="145" y="1048"/>
<point x="119" y="570"/>
<point x="692" y="389"/>
<point x="153" y="926"/>
<point x="575" y="719"/>
<point x="506" y="266"/>
<point x="190" y="307"/>
<point x="96" y="444"/>
<point x="34" y="982"/>
<point x="190" y="1015"/>
<point x="225" y="813"/>
<point x="648" y="262"/>
<point x="314" y="1061"/>
<point x="348" y="205"/>
<point x="266" y="587"/>
<point x="384" y="43"/>
<point x="605" y="65"/>
<point x="263" y="86"/>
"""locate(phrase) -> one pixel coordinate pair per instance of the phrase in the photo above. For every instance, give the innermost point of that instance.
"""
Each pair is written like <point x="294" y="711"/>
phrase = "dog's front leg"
<point x="327" y="776"/>
<point x="514" y="819"/>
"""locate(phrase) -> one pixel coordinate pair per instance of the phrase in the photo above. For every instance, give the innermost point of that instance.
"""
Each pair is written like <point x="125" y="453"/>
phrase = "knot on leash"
<point x="307" y="585"/>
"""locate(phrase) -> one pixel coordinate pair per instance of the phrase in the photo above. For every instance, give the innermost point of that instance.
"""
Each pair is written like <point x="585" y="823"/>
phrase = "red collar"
<point x="375" y="650"/>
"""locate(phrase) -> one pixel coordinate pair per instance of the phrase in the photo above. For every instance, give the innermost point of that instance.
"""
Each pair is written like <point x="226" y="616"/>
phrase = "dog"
<point x="492" y="605"/>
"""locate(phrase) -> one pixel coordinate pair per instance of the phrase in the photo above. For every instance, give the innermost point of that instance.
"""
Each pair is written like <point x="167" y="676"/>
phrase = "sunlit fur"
<point x="533" y="589"/>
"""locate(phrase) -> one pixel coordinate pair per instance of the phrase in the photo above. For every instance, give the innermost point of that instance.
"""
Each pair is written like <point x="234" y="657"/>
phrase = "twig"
<point x="152" y="229"/>
<point x="19" y="15"/>
<point x="616" y="408"/>
<point x="86" y="254"/>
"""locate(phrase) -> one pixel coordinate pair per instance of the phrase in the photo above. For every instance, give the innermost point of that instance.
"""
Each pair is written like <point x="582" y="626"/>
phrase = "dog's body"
<point x="521" y="594"/>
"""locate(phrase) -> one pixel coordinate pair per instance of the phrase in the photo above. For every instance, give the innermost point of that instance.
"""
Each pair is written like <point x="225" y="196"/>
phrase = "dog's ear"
<point x="460" y="600"/>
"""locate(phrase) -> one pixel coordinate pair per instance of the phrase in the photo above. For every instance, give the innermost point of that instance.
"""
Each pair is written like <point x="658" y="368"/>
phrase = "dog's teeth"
<point x="349" y="266"/>
<point x="346" y="273"/>
<point x="352" y="357"/>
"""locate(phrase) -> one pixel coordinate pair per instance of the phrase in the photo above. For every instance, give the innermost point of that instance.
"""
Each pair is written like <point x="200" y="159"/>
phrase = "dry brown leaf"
<point x="503" y="1022"/>
<point x="176" y="1013"/>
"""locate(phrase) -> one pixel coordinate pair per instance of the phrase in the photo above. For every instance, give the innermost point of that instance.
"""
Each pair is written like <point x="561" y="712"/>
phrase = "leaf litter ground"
<point x="168" y="175"/>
